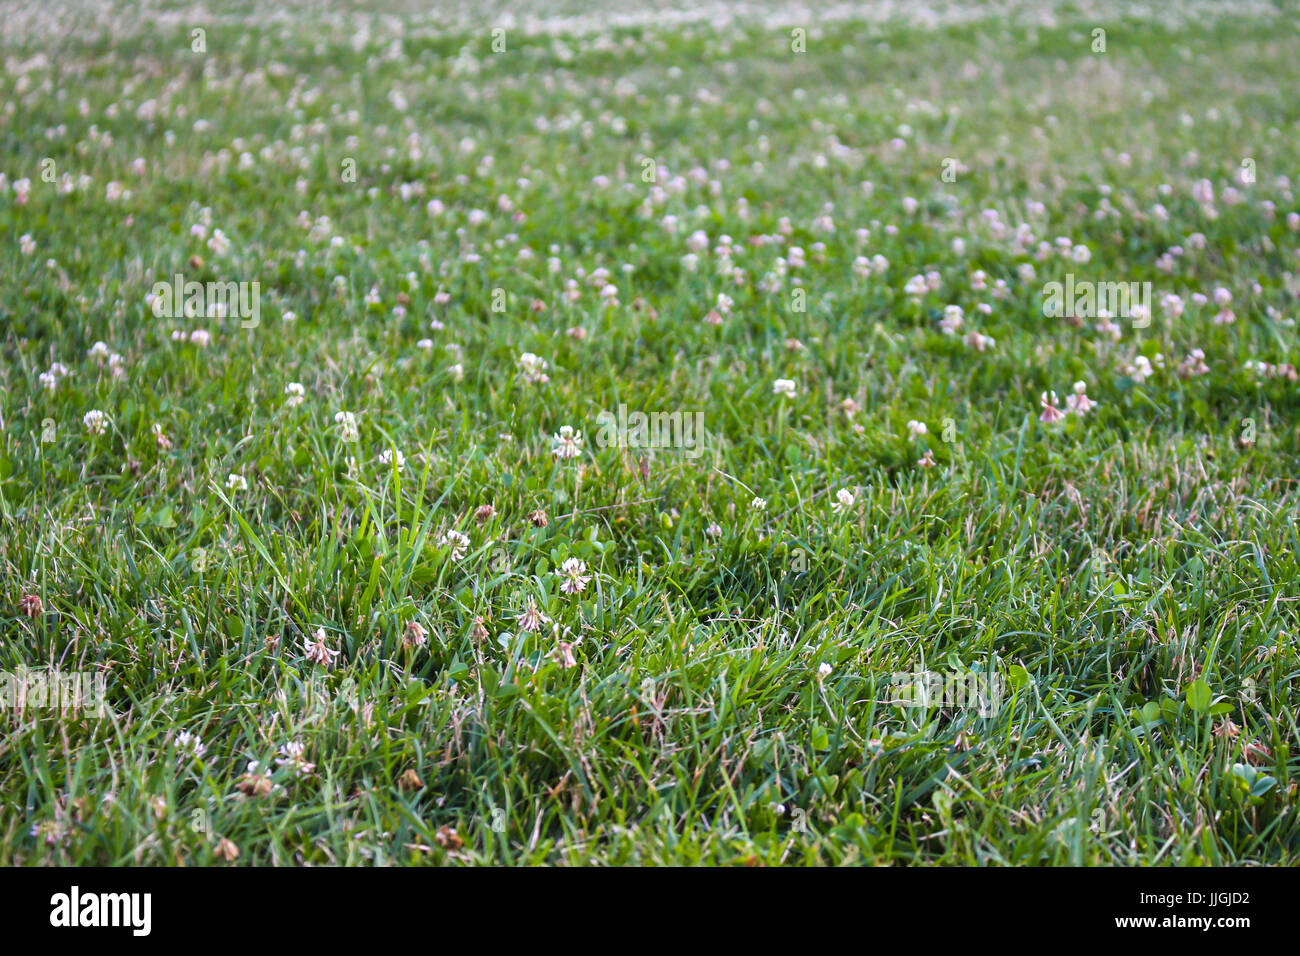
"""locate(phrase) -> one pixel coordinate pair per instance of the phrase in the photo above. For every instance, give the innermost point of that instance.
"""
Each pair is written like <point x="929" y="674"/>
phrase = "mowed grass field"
<point x="366" y="576"/>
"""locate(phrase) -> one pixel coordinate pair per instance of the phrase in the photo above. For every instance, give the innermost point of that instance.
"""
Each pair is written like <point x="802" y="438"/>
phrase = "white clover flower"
<point x="785" y="387"/>
<point x="533" y="369"/>
<point x="190" y="745"/>
<point x="347" y="423"/>
<point x="844" y="500"/>
<point x="758" y="504"/>
<point x="1193" y="364"/>
<point x="96" y="422"/>
<point x="916" y="429"/>
<point x="568" y="443"/>
<point x="50" y="380"/>
<point x="457" y="542"/>
<point x="236" y="483"/>
<point x="295" y="394"/>
<point x="1141" y="369"/>
<point x="294" y="754"/>
<point x="824" y="670"/>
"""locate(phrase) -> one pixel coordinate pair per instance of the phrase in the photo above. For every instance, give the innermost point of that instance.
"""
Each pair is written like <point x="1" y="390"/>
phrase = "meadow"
<point x="553" y="434"/>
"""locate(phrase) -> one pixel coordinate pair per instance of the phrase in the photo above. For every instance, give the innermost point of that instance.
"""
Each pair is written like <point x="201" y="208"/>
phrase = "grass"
<point x="722" y="688"/>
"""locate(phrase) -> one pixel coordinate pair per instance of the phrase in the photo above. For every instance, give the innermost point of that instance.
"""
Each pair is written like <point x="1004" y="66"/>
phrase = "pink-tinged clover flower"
<point x="1079" y="402"/>
<point x="1051" y="412"/>
<point x="575" y="576"/>
<point x="316" y="651"/>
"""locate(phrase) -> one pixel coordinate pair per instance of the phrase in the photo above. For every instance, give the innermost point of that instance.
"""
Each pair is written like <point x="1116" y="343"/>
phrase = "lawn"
<point x="547" y="434"/>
